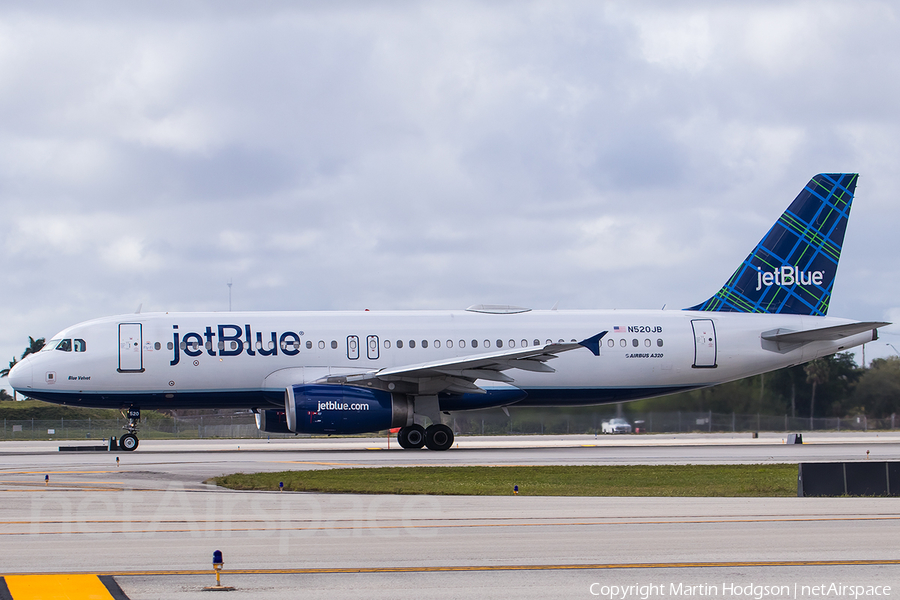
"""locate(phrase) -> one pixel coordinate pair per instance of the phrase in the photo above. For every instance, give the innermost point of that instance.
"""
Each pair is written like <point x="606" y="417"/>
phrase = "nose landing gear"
<point x="129" y="441"/>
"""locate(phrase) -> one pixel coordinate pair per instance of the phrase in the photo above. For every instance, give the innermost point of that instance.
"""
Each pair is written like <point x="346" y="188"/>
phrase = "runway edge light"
<point x="218" y="563"/>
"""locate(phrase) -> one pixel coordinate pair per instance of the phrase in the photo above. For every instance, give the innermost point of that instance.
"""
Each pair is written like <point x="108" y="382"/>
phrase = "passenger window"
<point x="549" y="342"/>
<point x="524" y="343"/>
<point x="647" y="343"/>
<point x="333" y="345"/>
<point x="499" y="343"/>
<point x="170" y="346"/>
<point x="412" y="343"/>
<point x="64" y="345"/>
<point x="537" y="342"/>
<point x="156" y="346"/>
<point x="474" y="343"/>
<point x="462" y="343"/>
<point x="321" y="344"/>
<point x="399" y="343"/>
<point x="610" y="343"/>
<point x="512" y="343"/>
<point x="449" y="343"/>
<point x="659" y="342"/>
<point x="221" y="345"/>
<point x="437" y="343"/>
<point x="309" y="344"/>
<point x="424" y="343"/>
<point x="634" y="342"/>
<point x="387" y="343"/>
<point x="623" y="343"/>
<point x="80" y="346"/>
<point x="487" y="343"/>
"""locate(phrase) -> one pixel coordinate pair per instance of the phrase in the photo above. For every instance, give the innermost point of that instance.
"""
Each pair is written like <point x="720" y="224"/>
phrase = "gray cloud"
<point x="425" y="155"/>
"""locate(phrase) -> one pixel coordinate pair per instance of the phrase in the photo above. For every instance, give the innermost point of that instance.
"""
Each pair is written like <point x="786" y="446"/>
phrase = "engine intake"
<point x="272" y="421"/>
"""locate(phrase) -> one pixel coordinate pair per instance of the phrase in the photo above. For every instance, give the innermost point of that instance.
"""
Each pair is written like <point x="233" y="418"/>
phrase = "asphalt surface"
<point x="153" y="523"/>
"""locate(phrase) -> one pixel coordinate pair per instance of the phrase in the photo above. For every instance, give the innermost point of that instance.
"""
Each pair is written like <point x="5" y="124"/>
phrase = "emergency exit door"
<point x="130" y="344"/>
<point x="704" y="344"/>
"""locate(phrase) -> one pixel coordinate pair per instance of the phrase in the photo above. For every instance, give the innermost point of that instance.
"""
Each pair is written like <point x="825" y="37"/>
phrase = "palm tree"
<point x="34" y="346"/>
<point x="5" y="372"/>
<point x="816" y="373"/>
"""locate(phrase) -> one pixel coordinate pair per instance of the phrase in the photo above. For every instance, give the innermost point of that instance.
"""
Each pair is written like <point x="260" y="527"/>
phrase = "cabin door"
<point x="130" y="348"/>
<point x="704" y="344"/>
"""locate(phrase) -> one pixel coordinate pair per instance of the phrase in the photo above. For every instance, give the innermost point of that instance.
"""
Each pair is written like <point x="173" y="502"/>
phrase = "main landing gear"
<point x="129" y="441"/>
<point x="435" y="437"/>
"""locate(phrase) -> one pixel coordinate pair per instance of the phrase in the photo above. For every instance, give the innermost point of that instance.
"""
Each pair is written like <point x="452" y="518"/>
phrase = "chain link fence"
<point x="207" y="426"/>
<point x="518" y="422"/>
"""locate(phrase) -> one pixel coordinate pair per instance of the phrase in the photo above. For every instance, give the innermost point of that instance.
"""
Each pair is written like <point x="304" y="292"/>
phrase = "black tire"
<point x="439" y="437"/>
<point x="128" y="442"/>
<point x="402" y="438"/>
<point x="415" y="436"/>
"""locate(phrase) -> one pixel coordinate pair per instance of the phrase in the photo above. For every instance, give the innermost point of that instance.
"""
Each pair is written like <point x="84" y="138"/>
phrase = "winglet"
<point x="593" y="342"/>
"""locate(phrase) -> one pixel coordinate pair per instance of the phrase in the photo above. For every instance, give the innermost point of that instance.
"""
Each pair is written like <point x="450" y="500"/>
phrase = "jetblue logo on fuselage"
<point x="233" y="340"/>
<point x="788" y="275"/>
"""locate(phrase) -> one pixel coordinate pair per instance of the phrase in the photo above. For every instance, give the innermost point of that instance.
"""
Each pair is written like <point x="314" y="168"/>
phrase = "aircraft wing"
<point x="459" y="374"/>
<point x="836" y="332"/>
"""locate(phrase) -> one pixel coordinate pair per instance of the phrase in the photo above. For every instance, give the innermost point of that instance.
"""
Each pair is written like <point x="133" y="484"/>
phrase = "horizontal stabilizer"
<point x="783" y="336"/>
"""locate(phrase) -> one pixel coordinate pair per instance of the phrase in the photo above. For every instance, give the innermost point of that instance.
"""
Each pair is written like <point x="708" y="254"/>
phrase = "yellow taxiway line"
<point x="466" y="568"/>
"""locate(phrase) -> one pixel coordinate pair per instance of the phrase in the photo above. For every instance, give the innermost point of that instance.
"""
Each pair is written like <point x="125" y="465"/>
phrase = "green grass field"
<point x="672" y="480"/>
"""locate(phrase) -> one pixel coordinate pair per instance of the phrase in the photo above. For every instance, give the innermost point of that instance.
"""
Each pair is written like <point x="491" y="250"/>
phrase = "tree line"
<point x="34" y="346"/>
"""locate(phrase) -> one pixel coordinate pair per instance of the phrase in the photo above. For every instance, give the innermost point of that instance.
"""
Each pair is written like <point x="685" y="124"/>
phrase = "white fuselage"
<point x="195" y="360"/>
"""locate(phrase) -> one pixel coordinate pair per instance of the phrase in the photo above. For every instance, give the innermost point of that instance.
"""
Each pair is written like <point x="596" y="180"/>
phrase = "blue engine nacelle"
<point x="342" y="409"/>
<point x="272" y="421"/>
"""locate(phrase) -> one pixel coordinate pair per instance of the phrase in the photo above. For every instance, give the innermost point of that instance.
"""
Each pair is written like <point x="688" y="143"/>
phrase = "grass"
<point x="638" y="480"/>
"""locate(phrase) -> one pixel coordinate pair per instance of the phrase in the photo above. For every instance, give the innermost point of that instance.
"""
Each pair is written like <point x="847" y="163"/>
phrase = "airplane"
<point x="350" y="372"/>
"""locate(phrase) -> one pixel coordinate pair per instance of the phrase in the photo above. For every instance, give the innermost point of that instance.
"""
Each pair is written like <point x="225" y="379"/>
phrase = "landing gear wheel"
<point x="411" y="436"/>
<point x="401" y="438"/>
<point x="439" y="437"/>
<point x="128" y="442"/>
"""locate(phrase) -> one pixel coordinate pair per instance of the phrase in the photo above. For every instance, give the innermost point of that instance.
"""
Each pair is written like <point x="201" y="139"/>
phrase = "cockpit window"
<point x="51" y="345"/>
<point x="80" y="346"/>
<point x="64" y="345"/>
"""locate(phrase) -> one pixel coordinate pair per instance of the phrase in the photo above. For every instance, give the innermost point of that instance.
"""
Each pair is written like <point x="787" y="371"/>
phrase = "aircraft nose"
<point x="20" y="376"/>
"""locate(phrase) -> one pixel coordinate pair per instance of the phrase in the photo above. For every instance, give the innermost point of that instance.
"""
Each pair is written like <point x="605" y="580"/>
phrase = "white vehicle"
<point x="351" y="372"/>
<point x="616" y="425"/>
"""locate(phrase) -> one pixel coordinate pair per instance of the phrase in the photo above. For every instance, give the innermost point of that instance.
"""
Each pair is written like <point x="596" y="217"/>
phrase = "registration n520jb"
<point x="353" y="372"/>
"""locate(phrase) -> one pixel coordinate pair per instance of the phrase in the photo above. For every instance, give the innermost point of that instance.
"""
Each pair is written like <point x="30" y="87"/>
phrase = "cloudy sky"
<point x="393" y="155"/>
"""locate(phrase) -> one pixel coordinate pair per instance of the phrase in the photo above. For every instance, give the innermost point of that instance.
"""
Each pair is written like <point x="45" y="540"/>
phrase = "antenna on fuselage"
<point x="140" y="306"/>
<point x="229" y="294"/>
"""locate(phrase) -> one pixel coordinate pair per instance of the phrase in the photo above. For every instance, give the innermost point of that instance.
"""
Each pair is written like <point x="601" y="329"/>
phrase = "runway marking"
<point x="59" y="472"/>
<point x="231" y="529"/>
<point x="62" y="587"/>
<point x="468" y="568"/>
<point x="326" y="464"/>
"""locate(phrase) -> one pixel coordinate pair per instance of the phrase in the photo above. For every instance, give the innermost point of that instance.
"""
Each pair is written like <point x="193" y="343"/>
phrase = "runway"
<point x="153" y="524"/>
